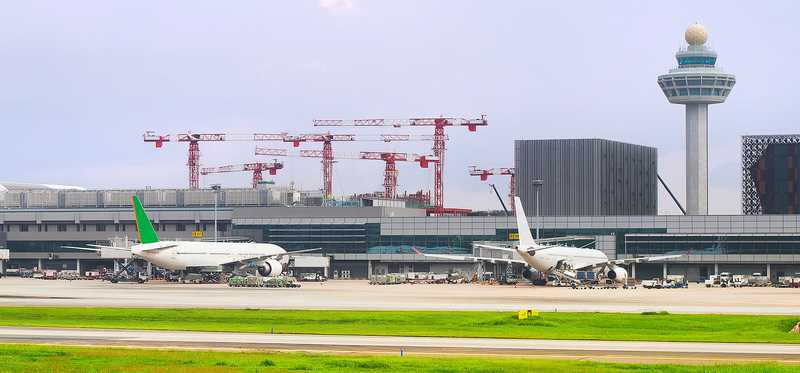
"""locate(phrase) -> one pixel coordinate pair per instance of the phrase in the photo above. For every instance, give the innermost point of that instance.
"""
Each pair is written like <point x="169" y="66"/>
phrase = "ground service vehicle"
<point x="655" y="283"/>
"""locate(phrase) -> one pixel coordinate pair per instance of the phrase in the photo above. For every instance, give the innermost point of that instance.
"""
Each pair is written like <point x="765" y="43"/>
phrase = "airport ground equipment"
<point x="389" y="158"/>
<point x="439" y="139"/>
<point x="456" y="278"/>
<point x="484" y="174"/>
<point x="263" y="282"/>
<point x="388" y="279"/>
<point x="257" y="168"/>
<point x="788" y="281"/>
<point x="675" y="282"/>
<point x="312" y="277"/>
<point x="758" y="280"/>
<point x="68" y="275"/>
<point x="49" y="274"/>
<point x="723" y="280"/>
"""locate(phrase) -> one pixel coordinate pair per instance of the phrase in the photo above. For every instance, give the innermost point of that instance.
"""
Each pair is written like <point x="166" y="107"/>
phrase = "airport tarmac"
<point x="353" y="294"/>
<point x="662" y="352"/>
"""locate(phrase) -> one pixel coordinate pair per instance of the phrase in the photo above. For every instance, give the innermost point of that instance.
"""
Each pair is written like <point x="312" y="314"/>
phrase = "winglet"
<point x="415" y="250"/>
<point x="525" y="237"/>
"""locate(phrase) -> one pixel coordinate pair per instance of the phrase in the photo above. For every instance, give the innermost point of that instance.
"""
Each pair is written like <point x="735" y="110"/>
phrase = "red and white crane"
<point x="327" y="149"/>
<point x="389" y="158"/>
<point x="485" y="173"/>
<point x="257" y="168"/>
<point x="194" y="140"/>
<point x="439" y="148"/>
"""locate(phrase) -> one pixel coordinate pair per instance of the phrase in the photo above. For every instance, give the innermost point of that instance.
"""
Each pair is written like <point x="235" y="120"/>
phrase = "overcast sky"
<point x="80" y="81"/>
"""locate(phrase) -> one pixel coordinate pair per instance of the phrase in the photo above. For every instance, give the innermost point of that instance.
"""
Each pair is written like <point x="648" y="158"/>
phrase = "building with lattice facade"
<point x="770" y="174"/>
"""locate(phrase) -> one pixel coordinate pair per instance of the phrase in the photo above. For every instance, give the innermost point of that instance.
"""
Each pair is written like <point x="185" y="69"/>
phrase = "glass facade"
<point x="700" y="85"/>
<point x="629" y="240"/>
<point x="686" y="61"/>
<point x="711" y="245"/>
<point x="777" y="179"/>
<point x="46" y="246"/>
<point x="367" y="238"/>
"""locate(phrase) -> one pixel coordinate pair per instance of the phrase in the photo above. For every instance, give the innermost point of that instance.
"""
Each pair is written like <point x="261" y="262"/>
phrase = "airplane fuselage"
<point x="545" y="260"/>
<point x="195" y="254"/>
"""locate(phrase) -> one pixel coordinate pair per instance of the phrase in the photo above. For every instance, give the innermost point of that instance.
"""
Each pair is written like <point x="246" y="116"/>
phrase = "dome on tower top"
<point x="696" y="34"/>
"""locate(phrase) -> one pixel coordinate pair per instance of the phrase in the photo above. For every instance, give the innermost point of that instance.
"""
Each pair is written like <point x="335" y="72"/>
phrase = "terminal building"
<point x="364" y="240"/>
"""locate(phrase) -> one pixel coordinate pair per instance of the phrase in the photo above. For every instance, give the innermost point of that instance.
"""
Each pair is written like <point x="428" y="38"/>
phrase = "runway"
<point x="350" y="294"/>
<point x="665" y="352"/>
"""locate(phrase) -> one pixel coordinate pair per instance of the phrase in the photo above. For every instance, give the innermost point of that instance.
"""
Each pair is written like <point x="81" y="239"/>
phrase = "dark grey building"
<point x="771" y="174"/>
<point x="587" y="177"/>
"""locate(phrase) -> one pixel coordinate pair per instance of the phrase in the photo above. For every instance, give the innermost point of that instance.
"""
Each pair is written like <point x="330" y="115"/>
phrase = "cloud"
<point x="336" y="4"/>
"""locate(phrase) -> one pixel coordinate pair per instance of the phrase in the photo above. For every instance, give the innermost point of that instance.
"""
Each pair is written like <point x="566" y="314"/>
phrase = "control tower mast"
<point x="696" y="83"/>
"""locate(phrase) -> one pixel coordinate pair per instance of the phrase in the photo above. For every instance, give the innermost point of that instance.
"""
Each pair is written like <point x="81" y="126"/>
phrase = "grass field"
<point x="26" y="358"/>
<point x="600" y="326"/>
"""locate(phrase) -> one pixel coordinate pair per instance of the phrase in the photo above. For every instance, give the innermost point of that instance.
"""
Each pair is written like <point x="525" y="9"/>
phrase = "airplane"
<point x="263" y="259"/>
<point x="559" y="262"/>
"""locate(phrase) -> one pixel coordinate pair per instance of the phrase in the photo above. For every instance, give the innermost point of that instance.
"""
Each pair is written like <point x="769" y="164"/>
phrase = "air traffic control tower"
<point x="696" y="83"/>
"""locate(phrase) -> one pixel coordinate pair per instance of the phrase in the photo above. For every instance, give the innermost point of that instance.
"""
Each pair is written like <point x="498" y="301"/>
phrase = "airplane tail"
<point x="525" y="237"/>
<point x="143" y="225"/>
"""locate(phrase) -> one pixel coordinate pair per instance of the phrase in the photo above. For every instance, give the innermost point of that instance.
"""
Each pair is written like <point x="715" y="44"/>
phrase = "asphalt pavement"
<point x="659" y="352"/>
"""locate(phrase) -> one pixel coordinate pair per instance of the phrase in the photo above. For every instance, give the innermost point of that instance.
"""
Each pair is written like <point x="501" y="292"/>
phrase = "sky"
<point x="81" y="81"/>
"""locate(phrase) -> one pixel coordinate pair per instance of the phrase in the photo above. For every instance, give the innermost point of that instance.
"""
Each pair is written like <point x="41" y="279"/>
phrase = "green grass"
<point x="599" y="326"/>
<point x="27" y="358"/>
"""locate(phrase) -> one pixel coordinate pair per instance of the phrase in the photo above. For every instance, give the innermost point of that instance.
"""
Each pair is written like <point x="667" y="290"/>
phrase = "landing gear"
<point x="130" y="271"/>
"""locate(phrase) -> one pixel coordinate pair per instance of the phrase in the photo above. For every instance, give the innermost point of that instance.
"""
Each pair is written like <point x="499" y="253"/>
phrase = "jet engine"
<point x="617" y="274"/>
<point x="270" y="268"/>
<point x="529" y="274"/>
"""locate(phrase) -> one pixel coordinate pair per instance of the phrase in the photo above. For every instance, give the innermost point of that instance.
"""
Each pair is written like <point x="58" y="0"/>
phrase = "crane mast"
<point x="510" y="172"/>
<point x="256" y="168"/>
<point x="439" y="139"/>
<point x="389" y="158"/>
<point x="194" y="140"/>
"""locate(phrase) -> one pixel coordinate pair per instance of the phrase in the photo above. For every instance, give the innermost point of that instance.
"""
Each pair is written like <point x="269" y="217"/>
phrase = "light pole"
<point x="216" y="188"/>
<point x="537" y="185"/>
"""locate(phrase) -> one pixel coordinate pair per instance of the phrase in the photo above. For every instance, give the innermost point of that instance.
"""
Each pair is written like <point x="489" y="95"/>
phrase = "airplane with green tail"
<point x="264" y="259"/>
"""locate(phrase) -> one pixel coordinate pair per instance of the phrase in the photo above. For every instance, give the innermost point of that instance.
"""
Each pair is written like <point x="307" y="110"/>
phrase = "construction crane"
<point x="485" y="173"/>
<point x="194" y="140"/>
<point x="390" y="170"/>
<point x="439" y="148"/>
<point x="327" y="149"/>
<point x="389" y="158"/>
<point x="257" y="169"/>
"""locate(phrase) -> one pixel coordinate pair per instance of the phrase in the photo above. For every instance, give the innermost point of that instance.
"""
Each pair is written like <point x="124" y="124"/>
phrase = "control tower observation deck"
<point x="696" y="83"/>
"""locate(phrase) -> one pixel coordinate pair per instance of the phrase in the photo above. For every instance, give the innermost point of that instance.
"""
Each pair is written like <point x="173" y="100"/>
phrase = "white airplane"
<point x="560" y="261"/>
<point x="198" y="256"/>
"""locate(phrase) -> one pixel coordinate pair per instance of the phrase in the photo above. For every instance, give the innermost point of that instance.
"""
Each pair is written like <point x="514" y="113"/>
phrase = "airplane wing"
<point x="109" y="247"/>
<point x="493" y="247"/>
<point x="591" y="266"/>
<point x="645" y="259"/>
<point x="81" y="248"/>
<point x="152" y="247"/>
<point x="469" y="258"/>
<point x="303" y="251"/>
<point x="273" y="256"/>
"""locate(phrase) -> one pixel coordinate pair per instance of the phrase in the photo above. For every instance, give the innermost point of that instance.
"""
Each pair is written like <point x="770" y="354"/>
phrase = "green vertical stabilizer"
<point x="143" y="225"/>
